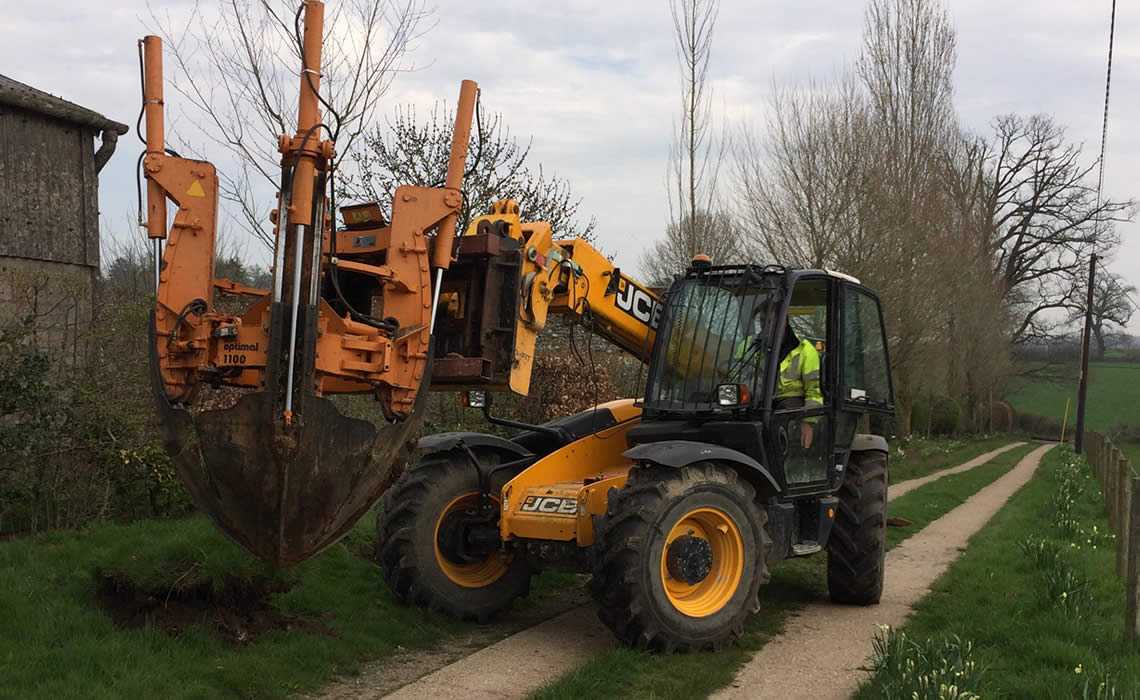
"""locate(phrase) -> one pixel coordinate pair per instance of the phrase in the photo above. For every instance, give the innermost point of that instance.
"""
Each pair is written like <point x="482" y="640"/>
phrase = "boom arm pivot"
<point x="508" y="277"/>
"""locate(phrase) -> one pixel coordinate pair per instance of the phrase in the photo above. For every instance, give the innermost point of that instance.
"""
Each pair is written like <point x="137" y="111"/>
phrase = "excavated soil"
<point x="239" y="615"/>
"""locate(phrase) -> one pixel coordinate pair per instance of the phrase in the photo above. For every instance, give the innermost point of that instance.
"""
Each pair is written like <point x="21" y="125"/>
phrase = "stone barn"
<point x="49" y="213"/>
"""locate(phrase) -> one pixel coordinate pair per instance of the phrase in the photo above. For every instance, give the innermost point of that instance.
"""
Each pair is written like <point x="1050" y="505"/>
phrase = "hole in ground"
<point x="236" y="610"/>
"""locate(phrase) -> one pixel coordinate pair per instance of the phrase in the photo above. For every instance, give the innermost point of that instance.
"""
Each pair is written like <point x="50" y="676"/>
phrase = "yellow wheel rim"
<point x="478" y="574"/>
<point x="715" y="590"/>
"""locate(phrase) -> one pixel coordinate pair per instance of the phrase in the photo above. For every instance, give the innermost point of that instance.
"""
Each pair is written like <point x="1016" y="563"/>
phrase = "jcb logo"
<point x="636" y="302"/>
<point x="549" y="505"/>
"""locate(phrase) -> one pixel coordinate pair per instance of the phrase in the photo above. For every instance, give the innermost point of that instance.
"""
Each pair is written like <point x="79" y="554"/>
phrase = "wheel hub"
<point x="466" y="536"/>
<point x="689" y="559"/>
<point x="449" y="537"/>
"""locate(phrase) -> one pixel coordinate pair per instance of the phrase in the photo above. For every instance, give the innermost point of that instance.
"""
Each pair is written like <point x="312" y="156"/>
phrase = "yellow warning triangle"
<point x="196" y="189"/>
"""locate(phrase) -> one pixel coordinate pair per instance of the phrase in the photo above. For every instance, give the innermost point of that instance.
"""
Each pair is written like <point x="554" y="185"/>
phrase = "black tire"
<point x="856" y="548"/>
<point x="406" y="541"/>
<point x="628" y="583"/>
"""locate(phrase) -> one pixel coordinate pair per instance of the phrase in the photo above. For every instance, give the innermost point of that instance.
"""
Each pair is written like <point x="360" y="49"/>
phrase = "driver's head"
<point x="764" y="318"/>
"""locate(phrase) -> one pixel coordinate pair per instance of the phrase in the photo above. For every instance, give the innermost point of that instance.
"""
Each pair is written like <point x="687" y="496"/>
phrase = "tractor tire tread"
<point x="856" y="548"/>
<point x="411" y="573"/>
<point x="622" y="535"/>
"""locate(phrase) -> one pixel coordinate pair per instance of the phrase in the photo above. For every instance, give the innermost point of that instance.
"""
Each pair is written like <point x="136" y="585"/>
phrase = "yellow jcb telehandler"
<point x="678" y="503"/>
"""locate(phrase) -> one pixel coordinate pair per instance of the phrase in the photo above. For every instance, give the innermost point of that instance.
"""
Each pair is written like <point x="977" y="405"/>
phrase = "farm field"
<point x="1131" y="449"/>
<point x="1113" y="396"/>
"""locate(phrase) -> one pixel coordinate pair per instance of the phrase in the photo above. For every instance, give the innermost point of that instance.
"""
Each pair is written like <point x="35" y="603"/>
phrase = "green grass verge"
<point x="995" y="596"/>
<point x="56" y="640"/>
<point x="626" y="673"/>
<point x="1112" y="396"/>
<point x="917" y="456"/>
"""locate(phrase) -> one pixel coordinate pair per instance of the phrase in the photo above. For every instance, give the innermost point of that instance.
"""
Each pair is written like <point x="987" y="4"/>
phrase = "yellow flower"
<point x="1077" y="670"/>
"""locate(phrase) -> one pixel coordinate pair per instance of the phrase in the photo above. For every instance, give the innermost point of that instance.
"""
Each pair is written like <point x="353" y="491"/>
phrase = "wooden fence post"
<point x="1097" y="459"/>
<point x="1114" y="466"/>
<point x="1132" y="605"/>
<point x="1104" y="448"/>
<point x="1123" y="508"/>
<point x="1102" y="457"/>
<point x="1110" y="497"/>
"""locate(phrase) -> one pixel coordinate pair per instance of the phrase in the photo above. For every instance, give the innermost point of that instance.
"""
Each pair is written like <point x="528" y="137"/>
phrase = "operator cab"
<point x="715" y="368"/>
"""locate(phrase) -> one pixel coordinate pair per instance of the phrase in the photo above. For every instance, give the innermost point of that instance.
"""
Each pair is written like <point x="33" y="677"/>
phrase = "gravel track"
<point x="911" y="484"/>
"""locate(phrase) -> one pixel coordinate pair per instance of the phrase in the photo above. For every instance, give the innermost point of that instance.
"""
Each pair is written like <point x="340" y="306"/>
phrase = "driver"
<point x="797" y="385"/>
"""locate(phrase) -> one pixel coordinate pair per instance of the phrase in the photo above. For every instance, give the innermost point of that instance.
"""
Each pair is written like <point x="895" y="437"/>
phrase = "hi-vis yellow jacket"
<point x="799" y="375"/>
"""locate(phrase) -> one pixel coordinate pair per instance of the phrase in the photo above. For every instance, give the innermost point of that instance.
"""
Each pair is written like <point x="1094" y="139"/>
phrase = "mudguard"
<point x="681" y="453"/>
<point x="863" y="443"/>
<point x="442" y="442"/>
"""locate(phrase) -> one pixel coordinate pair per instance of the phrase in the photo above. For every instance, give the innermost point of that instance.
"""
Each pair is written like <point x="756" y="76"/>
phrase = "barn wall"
<point x="58" y="297"/>
<point x="49" y="207"/>
<point x="49" y="227"/>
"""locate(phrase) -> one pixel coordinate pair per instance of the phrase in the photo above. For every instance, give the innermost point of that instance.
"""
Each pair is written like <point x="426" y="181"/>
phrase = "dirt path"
<point x="822" y="650"/>
<point x="900" y="488"/>
<point x="523" y="662"/>
<point x="378" y="679"/>
<point x="519" y="664"/>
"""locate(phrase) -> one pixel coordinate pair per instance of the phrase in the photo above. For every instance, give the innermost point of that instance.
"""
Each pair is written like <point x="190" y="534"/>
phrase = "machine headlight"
<point x="732" y="394"/>
<point x="475" y="399"/>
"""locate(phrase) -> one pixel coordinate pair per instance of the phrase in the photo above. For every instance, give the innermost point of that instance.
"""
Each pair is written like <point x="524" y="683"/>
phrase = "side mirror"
<point x="476" y="399"/>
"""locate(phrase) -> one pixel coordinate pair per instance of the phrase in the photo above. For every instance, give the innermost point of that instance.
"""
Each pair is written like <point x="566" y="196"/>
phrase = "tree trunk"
<point x="904" y="409"/>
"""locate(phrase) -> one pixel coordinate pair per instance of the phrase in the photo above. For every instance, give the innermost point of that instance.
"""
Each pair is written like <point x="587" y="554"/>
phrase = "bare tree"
<point x="699" y="223"/>
<point x="851" y="175"/>
<point x="800" y="187"/>
<point x="411" y="152"/>
<point x="670" y="255"/>
<point x="973" y="243"/>
<point x="237" y="68"/>
<point x="1046" y="221"/>
<point x="1113" y="305"/>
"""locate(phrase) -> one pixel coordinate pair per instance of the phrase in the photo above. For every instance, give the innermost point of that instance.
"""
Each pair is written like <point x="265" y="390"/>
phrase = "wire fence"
<point x="1120" y="485"/>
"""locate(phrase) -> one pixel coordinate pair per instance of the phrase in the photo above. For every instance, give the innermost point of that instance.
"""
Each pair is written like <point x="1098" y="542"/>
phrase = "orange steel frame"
<point x="196" y="344"/>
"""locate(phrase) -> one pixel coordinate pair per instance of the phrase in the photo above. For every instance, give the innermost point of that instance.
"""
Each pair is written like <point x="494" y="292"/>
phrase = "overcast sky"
<point x="596" y="83"/>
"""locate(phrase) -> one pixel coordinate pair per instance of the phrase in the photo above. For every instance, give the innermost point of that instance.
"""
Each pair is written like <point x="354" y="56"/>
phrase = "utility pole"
<point x="1080" y="434"/>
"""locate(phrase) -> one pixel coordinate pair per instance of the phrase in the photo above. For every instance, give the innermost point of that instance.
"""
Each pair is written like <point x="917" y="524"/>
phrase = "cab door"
<point x="864" y="383"/>
<point x="800" y="427"/>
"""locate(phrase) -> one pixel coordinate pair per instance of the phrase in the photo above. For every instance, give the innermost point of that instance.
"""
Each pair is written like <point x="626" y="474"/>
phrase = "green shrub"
<point x="920" y="418"/>
<point x="945" y="416"/>
<point x="78" y="440"/>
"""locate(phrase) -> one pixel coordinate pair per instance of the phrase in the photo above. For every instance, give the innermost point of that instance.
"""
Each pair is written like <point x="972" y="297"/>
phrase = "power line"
<point x="1107" y="88"/>
<point x="1082" y="389"/>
